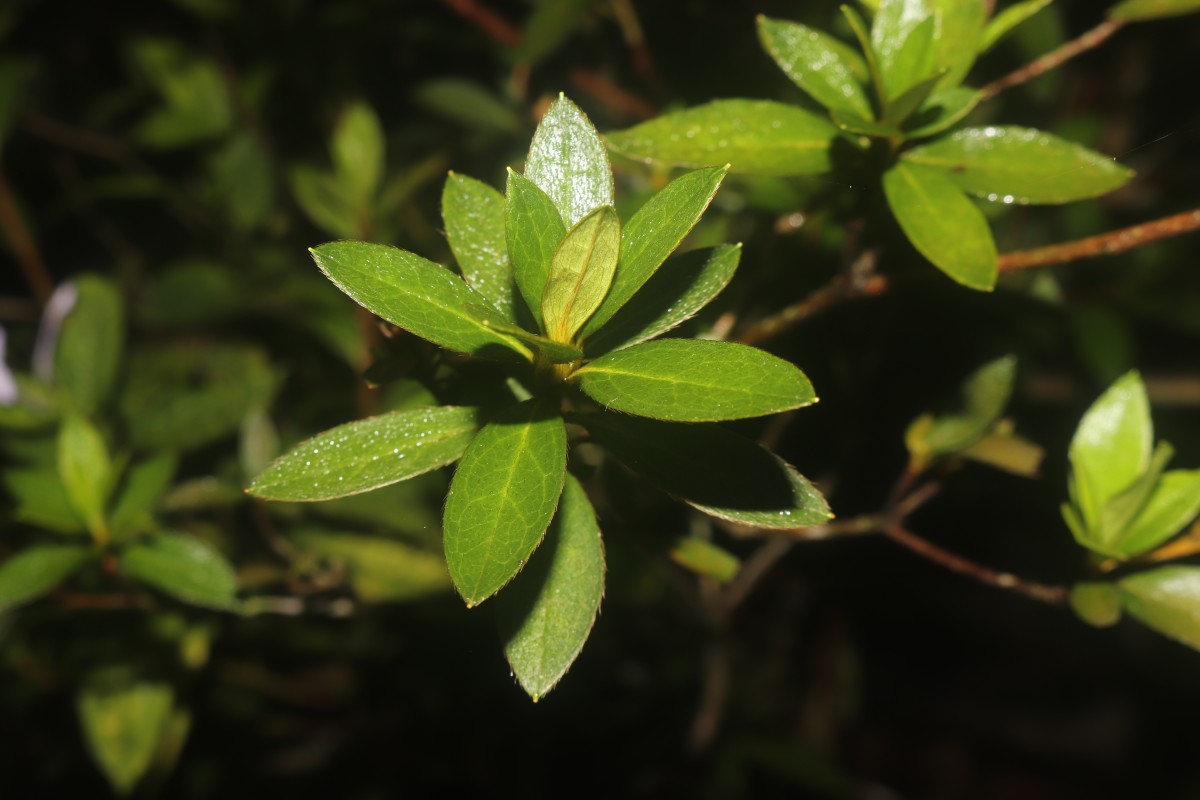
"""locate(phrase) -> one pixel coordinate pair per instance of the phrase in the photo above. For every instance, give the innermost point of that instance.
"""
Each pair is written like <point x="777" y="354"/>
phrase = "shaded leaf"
<point x="546" y="615"/>
<point x="184" y="568"/>
<point x="469" y="103"/>
<point x="197" y="106"/>
<point x="380" y="570"/>
<point x="552" y="351"/>
<point x="39" y="498"/>
<point x="960" y="25"/>
<point x="90" y="341"/>
<point x="1166" y="599"/>
<point x="550" y="24"/>
<point x="243" y="181"/>
<point x="534" y="229"/>
<point x="1008" y="19"/>
<point x="705" y="558"/>
<point x="823" y="67"/>
<point x="756" y="136"/>
<point x="369" y="453"/>
<point x="942" y="223"/>
<point x="901" y="108"/>
<point x="984" y="396"/>
<point x="358" y="153"/>
<point x="689" y="380"/>
<point x="912" y="62"/>
<point x="1020" y="165"/>
<point x="30" y="573"/>
<point x="1142" y="10"/>
<point x="1121" y="508"/>
<point x="502" y="497"/>
<point x="716" y="471"/>
<point x="568" y="162"/>
<point x="123" y="720"/>
<point x="1007" y="452"/>
<point x="581" y="272"/>
<point x="474" y="215"/>
<point x="140" y="489"/>
<point x="86" y="471"/>
<point x="324" y="201"/>
<point x="940" y="111"/>
<point x="1097" y="604"/>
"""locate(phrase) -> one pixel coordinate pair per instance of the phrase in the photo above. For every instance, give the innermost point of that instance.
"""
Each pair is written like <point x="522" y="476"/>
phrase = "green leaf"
<point x="568" y="162"/>
<point x="688" y="380"/>
<point x="502" y="498"/>
<point x="1006" y="452"/>
<point x="88" y="354"/>
<point x="705" y="558"/>
<point x="580" y="273"/>
<point x="197" y="105"/>
<point x="324" y="201"/>
<point x="86" y="471"/>
<point x="912" y="63"/>
<point x="123" y="720"/>
<point x="853" y="124"/>
<point x="942" y="223"/>
<point x="358" y="153"/>
<point x="859" y="28"/>
<point x="369" y="453"/>
<point x="756" y="136"/>
<point x="1111" y="447"/>
<point x="552" y="351"/>
<point x="1120" y="509"/>
<point x="39" y="498"/>
<point x="893" y="26"/>
<point x="819" y="64"/>
<point x="684" y="285"/>
<point x="960" y="25"/>
<point x="1166" y="599"/>
<point x="653" y="233"/>
<point x="139" y="492"/>
<point x="184" y="568"/>
<point x="1097" y="604"/>
<point x="716" y="471"/>
<point x="548" y="27"/>
<point x="30" y="573"/>
<point x="1142" y="10"/>
<point x="243" y="181"/>
<point x="474" y="215"/>
<point x="534" y="230"/>
<point x="468" y="103"/>
<point x="1021" y="165"/>
<point x="1174" y="502"/>
<point x="940" y="111"/>
<point x="1000" y="25"/>
<point x="984" y="396"/>
<point x="420" y="296"/>
<point x="902" y="107"/>
<point x="380" y="570"/>
<point x="546" y="615"/>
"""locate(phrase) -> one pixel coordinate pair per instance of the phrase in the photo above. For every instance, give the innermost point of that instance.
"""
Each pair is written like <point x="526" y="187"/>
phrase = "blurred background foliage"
<point x="174" y="160"/>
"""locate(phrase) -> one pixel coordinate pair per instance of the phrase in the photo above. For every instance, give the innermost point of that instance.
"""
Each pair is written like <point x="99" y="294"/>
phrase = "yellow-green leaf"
<point x="581" y="272"/>
<point x="829" y="71"/>
<point x="123" y="720"/>
<point x="184" y="568"/>
<point x="30" y="573"/>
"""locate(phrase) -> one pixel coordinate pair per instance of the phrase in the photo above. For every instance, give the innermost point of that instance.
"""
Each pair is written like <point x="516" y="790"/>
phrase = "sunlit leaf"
<point x="534" y="229"/>
<point x="474" y="215"/>
<point x="86" y="471"/>
<point x="984" y="396"/>
<point x="549" y="349"/>
<point x="829" y="71"/>
<point x="581" y="272"/>
<point x="1173" y="503"/>
<point x="568" y="162"/>
<point x="1166" y="599"/>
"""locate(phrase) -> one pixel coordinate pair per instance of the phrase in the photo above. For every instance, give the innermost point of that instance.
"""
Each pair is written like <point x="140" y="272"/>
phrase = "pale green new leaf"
<point x="123" y="721"/>
<point x="1021" y="165"/>
<point x="581" y="272"/>
<point x="942" y="223"/>
<point x="1174" y="502"/>
<point x="86" y="470"/>
<point x="88" y="354"/>
<point x="653" y="233"/>
<point x="718" y="472"/>
<point x="555" y="352"/>
<point x="358" y="152"/>
<point x="1120" y="509"/>
<point x="1142" y="10"/>
<point x="30" y="573"/>
<point x="827" y="70"/>
<point x="502" y="497"/>
<point x="546" y="615"/>
<point x="184" y="568"/>
<point x="984" y="396"/>
<point x="760" y="137"/>
<point x="379" y="570"/>
<point x="369" y="453"/>
<point x="1003" y="23"/>
<point x="474" y="214"/>
<point x="1097" y="604"/>
<point x="534" y="229"/>
<point x="424" y="298"/>
<point x="705" y="558"/>
<point x="684" y="285"/>
<point x="688" y="380"/>
<point x="568" y="162"/>
<point x="1166" y="599"/>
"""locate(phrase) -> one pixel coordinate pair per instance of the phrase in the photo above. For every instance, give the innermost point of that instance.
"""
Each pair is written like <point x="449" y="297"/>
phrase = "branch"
<point x="24" y="247"/>
<point x="1055" y="58"/>
<point x="491" y="23"/>
<point x="1104" y="244"/>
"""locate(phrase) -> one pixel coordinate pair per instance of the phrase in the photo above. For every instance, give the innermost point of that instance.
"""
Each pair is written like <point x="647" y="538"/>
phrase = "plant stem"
<point x="486" y="20"/>
<point x="1055" y="58"/>
<point x="1103" y="244"/>
<point x="24" y="246"/>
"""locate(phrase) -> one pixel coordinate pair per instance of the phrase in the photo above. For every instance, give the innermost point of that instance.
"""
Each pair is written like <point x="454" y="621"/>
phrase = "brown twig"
<point x="1104" y="244"/>
<point x="610" y="94"/>
<point x="24" y="247"/>
<point x="1053" y="59"/>
<point x="488" y="21"/>
<point x="79" y="140"/>
<point x="840" y="288"/>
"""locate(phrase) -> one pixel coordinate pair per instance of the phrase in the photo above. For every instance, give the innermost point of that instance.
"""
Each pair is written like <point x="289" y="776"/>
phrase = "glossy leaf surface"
<point x="424" y="298"/>
<point x="184" y="568"/>
<point x="761" y="137"/>
<point x="534" y="229"/>
<point x="123" y="719"/>
<point x="581" y="272"/>
<point x="653" y="233"/>
<point x="1166" y="599"/>
<point x="942" y="223"/>
<point x="474" y="215"/>
<point x="568" y="162"/>
<point x="822" y="66"/>
<point x="716" y="471"/>
<point x="368" y="453"/>
<point x="1020" y="165"/>
<point x="891" y="29"/>
<point x="546" y="615"/>
<point x="33" y="571"/>
<point x="502" y="497"/>
<point x="689" y="380"/>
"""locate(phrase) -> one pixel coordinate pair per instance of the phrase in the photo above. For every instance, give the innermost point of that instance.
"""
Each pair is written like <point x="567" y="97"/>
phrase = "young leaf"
<point x="653" y="233"/>
<point x="30" y="573"/>
<point x="568" y="162"/>
<point x="1174" y="502"/>
<point x="942" y="223"/>
<point x="123" y="721"/>
<point x="688" y="380"/>
<point x="1120" y="509"/>
<point x="859" y="28"/>
<point x="88" y="354"/>
<point x="823" y="67"/>
<point x="580" y="273"/>
<point x="1166" y="600"/>
<point x="369" y="453"/>
<point x="985" y="394"/>
<point x="1008" y="19"/>
<point x="424" y="298"/>
<point x="86" y="471"/>
<point x="960" y="26"/>
<point x="1096" y="604"/>
<point x="1111" y="447"/>
<point x="718" y="472"/>
<point x="684" y="285"/>
<point x="357" y="150"/>
<point x="546" y="615"/>
<point x="502" y="497"/>
<point x="140" y="489"/>
<point x="1142" y="10"/>
<point x="534" y="230"/>
<point x="705" y="558"/>
<point x="380" y="570"/>
<point x="1020" y="165"/>
<point x="940" y="111"/>
<point x="474" y="214"/>
<point x="554" y="352"/>
<point x="756" y="136"/>
<point x="184" y="568"/>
